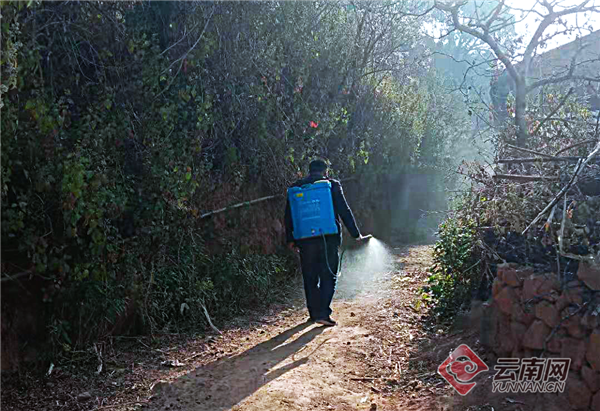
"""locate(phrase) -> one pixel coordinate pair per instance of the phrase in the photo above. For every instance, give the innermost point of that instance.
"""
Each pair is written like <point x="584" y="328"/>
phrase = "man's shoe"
<point x="327" y="321"/>
<point x="311" y="320"/>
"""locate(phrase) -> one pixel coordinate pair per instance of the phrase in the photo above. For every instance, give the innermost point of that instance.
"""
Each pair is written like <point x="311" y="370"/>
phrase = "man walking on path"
<point x="319" y="258"/>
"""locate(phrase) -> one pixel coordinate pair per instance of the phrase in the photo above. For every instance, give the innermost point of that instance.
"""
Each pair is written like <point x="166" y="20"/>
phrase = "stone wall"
<point x="533" y="315"/>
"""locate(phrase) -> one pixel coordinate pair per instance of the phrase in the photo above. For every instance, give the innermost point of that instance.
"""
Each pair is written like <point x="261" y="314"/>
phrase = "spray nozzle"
<point x="364" y="238"/>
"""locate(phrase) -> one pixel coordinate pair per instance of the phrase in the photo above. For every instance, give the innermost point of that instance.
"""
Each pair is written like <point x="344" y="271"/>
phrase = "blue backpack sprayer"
<point x="313" y="214"/>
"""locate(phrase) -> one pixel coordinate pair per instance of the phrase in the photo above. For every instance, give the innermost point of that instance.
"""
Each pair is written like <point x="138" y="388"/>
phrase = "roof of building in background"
<point x="557" y="62"/>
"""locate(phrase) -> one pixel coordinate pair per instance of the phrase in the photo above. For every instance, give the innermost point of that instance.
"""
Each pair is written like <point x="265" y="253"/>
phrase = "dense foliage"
<point x="123" y="121"/>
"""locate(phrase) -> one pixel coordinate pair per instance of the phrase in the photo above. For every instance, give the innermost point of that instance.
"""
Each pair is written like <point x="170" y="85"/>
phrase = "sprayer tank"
<point x="312" y="210"/>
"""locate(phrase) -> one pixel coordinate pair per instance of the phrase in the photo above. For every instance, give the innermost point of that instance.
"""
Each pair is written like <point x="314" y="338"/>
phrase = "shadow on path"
<point x="226" y="382"/>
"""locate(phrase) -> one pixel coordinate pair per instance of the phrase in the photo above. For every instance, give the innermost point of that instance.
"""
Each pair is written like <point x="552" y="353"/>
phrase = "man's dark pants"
<point x="319" y="280"/>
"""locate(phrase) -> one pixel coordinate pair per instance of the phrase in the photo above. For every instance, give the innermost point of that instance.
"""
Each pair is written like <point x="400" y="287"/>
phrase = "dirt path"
<point x="383" y="355"/>
<point x="298" y="367"/>
<point x="363" y="363"/>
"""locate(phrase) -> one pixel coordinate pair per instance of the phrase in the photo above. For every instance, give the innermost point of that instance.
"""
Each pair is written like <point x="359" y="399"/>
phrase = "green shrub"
<point x="455" y="270"/>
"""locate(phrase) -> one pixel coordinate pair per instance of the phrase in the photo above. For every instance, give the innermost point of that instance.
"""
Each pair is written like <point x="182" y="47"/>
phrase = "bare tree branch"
<point x="482" y="36"/>
<point x="525" y="150"/>
<point x="480" y="28"/>
<point x="562" y="79"/>
<point x="523" y="178"/>
<point x="582" y="143"/>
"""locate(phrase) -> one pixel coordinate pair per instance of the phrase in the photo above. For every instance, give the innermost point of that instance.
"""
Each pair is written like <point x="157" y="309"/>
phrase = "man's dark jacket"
<point x="340" y="207"/>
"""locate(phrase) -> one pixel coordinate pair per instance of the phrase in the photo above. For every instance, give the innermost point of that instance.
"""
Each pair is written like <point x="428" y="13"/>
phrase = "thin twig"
<point x="245" y="203"/>
<point x="533" y="160"/>
<point x="14" y="277"/>
<point x="563" y="319"/>
<point x="182" y="58"/>
<point x="375" y="378"/>
<point x="555" y="199"/>
<point x="523" y="177"/>
<point x="123" y="404"/>
<point x="184" y="55"/>
<point x="575" y="145"/>
<point x="580" y="166"/>
<point x="193" y="356"/>
<point x="562" y="103"/>
<point x="426" y="374"/>
<point x="215" y="329"/>
<point x="562" y="227"/>
<point x="185" y="34"/>
<point x="526" y="150"/>
<point x="551" y="217"/>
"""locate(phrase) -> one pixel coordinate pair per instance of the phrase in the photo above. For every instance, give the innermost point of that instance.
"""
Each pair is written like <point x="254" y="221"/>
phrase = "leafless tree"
<point x="518" y="61"/>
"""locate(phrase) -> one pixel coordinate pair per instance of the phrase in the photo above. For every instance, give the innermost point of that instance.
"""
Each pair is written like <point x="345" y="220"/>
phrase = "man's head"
<point x="318" y="167"/>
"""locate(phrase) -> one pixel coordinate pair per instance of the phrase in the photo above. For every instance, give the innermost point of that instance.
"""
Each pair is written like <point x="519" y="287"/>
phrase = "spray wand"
<point x="364" y="238"/>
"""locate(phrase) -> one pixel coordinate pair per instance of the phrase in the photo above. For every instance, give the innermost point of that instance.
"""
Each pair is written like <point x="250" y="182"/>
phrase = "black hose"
<point x="339" y="272"/>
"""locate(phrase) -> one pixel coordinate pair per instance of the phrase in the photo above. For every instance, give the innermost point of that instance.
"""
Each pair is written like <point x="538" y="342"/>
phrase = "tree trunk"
<point x="520" y="109"/>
